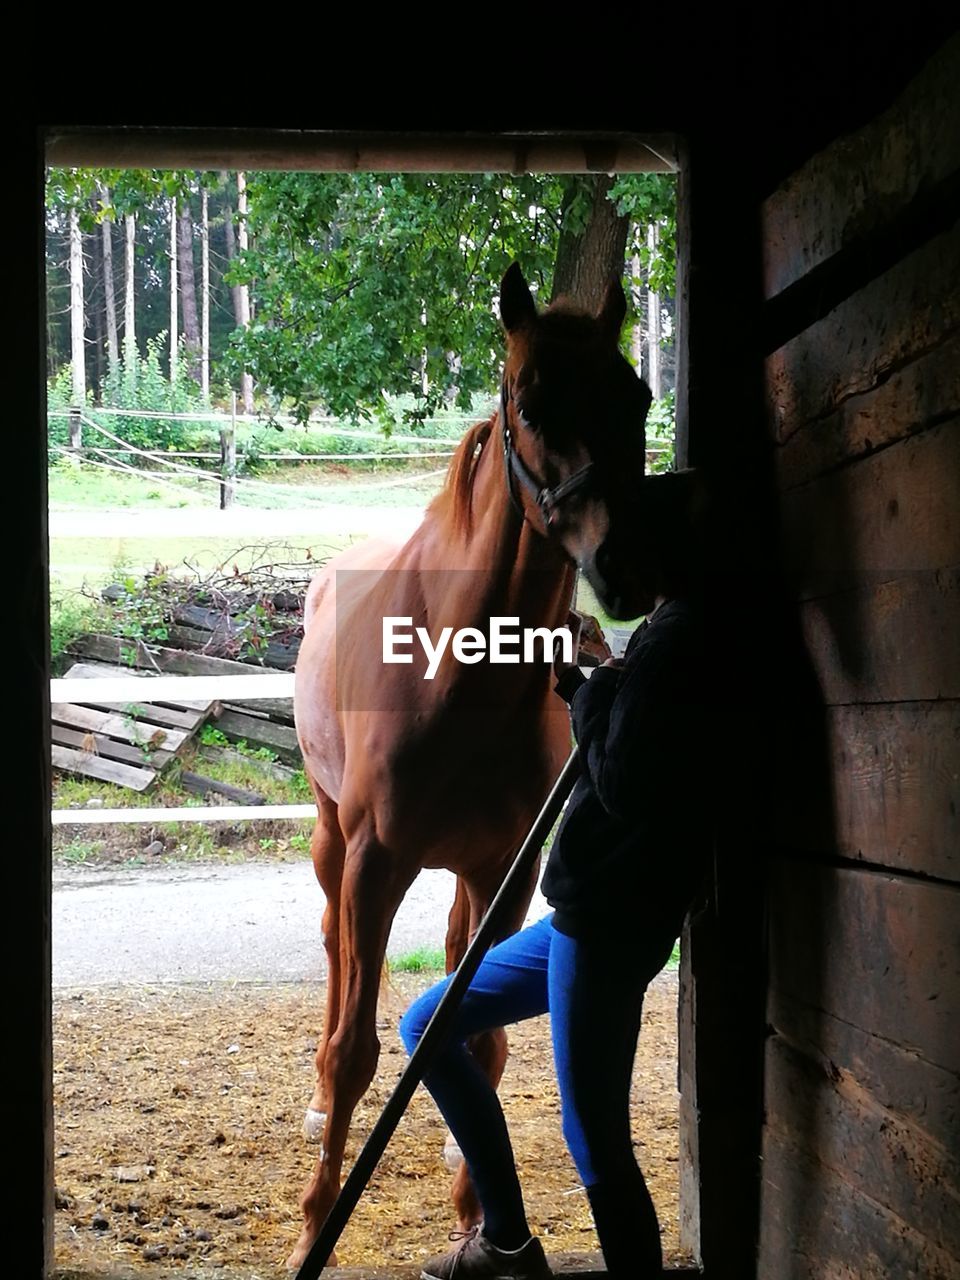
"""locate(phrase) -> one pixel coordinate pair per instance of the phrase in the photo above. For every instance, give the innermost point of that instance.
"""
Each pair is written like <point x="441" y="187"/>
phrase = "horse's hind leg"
<point x="371" y="890"/>
<point x="327" y="851"/>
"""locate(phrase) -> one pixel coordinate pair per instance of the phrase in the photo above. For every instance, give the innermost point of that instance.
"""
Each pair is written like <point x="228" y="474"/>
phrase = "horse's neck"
<point x="502" y="565"/>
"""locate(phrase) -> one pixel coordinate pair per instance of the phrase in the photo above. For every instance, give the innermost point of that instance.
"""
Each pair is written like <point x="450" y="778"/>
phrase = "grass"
<point x="74" y="486"/>
<point x="188" y="842"/>
<point x="94" y="562"/>
<point x="421" y="960"/>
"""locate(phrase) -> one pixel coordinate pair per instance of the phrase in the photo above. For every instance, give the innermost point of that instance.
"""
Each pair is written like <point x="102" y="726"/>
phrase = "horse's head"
<point x="572" y="417"/>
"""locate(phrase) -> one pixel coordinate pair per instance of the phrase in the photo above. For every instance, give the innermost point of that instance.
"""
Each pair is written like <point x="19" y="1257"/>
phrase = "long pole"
<point x="438" y="1026"/>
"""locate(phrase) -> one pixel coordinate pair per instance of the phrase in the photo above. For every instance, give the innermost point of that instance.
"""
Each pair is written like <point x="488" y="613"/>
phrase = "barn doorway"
<point x="162" y="1024"/>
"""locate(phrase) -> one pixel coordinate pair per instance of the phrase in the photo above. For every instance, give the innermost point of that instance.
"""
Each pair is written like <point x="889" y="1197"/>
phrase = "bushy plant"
<point x="142" y="384"/>
<point x="661" y="431"/>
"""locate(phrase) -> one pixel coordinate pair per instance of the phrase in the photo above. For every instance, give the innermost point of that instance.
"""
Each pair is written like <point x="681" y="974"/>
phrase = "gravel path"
<point x="257" y="922"/>
<point x="236" y="521"/>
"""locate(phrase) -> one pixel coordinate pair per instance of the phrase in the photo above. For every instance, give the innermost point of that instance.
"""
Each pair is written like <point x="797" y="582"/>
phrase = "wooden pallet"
<point x="260" y="723"/>
<point x="121" y="743"/>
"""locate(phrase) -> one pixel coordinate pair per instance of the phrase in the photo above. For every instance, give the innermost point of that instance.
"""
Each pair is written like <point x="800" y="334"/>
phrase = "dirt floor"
<point x="178" y="1131"/>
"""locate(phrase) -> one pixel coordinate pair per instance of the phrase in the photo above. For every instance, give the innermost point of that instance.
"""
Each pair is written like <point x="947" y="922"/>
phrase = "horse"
<point x="410" y="772"/>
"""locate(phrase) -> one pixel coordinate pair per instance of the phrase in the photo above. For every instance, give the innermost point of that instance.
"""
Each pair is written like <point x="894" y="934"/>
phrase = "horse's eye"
<point x="524" y="420"/>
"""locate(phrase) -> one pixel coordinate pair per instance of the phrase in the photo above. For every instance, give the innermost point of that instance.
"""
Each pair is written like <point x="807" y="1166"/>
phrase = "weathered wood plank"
<point x="875" y="950"/>
<point x="816" y="1225"/>
<point x="923" y="394"/>
<point x="897" y="511"/>
<point x="895" y="641"/>
<point x="95" y="670"/>
<point x="895" y="786"/>
<point x="270" y="768"/>
<point x="916" y="1092"/>
<point x="858" y="182"/>
<point x="829" y="1115"/>
<point x="156" y="713"/>
<point x="116" y="726"/>
<point x="279" y="709"/>
<point x="157" y="658"/>
<point x="893" y="320"/>
<point x="279" y="738"/>
<point x="91" y="766"/>
<point x="201" y="785"/>
<point x="109" y="748"/>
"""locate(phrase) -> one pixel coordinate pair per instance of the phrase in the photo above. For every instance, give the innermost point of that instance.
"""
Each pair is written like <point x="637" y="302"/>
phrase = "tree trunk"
<point x="109" y="293"/>
<point x="636" y="293"/>
<point x="205" y="295"/>
<point x="654" y="362"/>
<point x="230" y="236"/>
<point x="589" y="257"/>
<point x="77" y="322"/>
<point x="129" y="305"/>
<point x="174" y="285"/>
<point x="243" y="317"/>
<point x="188" y="293"/>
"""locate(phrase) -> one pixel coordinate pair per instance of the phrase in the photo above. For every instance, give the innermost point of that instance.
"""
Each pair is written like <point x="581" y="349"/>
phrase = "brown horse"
<point x="449" y="771"/>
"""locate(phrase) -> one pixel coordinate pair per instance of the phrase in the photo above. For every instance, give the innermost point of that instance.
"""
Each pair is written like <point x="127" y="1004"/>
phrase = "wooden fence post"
<point x="228" y="457"/>
<point x="76" y="429"/>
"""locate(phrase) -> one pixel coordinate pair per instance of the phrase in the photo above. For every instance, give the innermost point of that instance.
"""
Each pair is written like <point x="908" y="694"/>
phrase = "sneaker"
<point x="475" y="1258"/>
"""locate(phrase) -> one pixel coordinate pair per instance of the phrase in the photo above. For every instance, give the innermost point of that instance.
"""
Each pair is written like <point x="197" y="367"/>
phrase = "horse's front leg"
<point x="371" y="891"/>
<point x="327" y="851"/>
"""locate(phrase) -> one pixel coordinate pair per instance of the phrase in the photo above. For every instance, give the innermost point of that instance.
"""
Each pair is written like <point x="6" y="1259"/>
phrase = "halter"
<point x="547" y="500"/>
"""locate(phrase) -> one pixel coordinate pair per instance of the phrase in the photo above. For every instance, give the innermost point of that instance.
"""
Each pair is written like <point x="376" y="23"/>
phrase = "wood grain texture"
<point x="897" y="511"/>
<point x="878" y="782"/>
<point x="279" y="738"/>
<point x="871" y="949"/>
<point x="924" y="393"/>
<point x="823" y="1110"/>
<point x="817" y="1225"/>
<point x="99" y="767"/>
<point x="893" y="320"/>
<point x="847" y="190"/>
<point x="887" y="640"/>
<point x="917" y="1093"/>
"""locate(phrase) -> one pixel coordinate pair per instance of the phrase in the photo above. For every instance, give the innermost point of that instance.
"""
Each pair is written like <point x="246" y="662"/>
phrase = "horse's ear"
<point x="614" y="309"/>
<point x="517" y="307"/>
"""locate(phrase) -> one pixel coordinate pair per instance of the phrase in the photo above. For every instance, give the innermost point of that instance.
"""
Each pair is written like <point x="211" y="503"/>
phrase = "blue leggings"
<point x="594" y="994"/>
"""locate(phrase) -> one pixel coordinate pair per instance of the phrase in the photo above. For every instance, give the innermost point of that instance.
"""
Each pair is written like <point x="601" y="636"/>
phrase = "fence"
<point x="226" y="480"/>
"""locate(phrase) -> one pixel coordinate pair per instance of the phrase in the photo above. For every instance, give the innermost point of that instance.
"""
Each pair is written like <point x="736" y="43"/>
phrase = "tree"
<point x="77" y="317"/>
<point x="109" y="292"/>
<point x="352" y="271"/>
<point x="592" y="241"/>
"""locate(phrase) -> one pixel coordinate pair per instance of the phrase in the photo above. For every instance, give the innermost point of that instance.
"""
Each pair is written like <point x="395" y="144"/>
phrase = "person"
<point x="628" y="858"/>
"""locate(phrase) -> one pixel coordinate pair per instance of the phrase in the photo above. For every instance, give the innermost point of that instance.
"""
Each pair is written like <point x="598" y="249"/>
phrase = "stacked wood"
<point x="259" y="723"/>
<point x="125" y="744"/>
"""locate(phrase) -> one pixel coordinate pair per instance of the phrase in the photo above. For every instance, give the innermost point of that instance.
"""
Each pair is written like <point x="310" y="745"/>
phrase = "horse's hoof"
<point x="452" y="1155"/>
<point x="314" y="1123"/>
<point x="298" y="1257"/>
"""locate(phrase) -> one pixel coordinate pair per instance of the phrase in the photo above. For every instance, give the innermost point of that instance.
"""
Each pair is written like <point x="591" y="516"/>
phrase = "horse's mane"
<point x="454" y="501"/>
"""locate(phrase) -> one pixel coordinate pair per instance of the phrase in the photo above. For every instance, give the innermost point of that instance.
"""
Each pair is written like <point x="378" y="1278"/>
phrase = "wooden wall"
<point x="861" y="1135"/>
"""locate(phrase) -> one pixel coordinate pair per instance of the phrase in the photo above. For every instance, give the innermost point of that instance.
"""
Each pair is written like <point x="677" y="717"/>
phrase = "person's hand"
<point x="612" y="662"/>
<point x="561" y="667"/>
<point x="592" y="647"/>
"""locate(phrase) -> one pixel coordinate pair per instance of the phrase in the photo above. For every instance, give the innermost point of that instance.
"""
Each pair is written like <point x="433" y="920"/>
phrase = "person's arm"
<point x="635" y="726"/>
